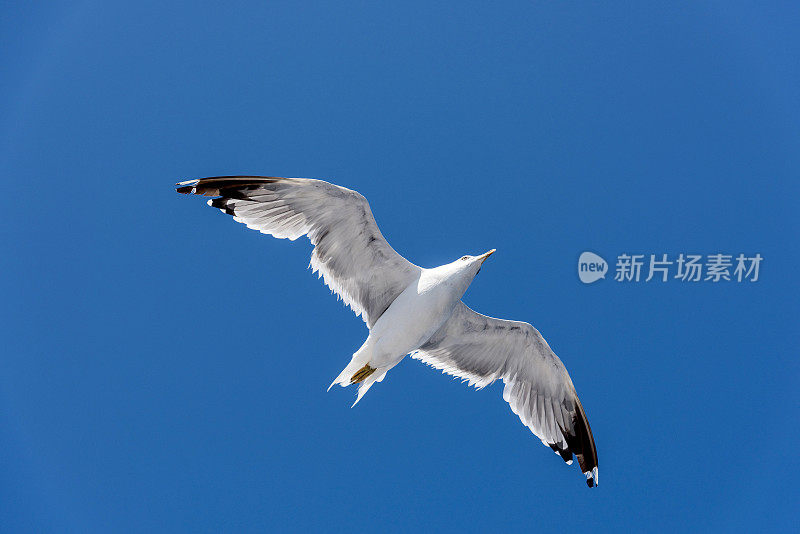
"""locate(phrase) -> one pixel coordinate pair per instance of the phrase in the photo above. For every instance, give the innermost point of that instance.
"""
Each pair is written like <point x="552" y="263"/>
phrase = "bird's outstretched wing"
<point x="481" y="349"/>
<point x="350" y="253"/>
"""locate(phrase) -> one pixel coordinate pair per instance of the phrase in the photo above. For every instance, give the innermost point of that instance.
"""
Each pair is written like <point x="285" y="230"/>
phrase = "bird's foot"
<point x="362" y="374"/>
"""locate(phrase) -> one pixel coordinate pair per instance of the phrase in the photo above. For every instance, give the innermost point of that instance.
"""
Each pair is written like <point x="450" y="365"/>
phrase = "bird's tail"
<point x="356" y="364"/>
<point x="359" y="371"/>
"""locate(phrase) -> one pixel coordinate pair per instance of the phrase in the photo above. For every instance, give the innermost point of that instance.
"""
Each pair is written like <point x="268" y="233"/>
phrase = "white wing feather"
<point x="481" y="349"/>
<point x="350" y="253"/>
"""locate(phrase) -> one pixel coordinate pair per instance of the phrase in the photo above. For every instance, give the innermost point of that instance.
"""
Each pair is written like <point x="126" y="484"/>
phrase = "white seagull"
<point x="410" y="310"/>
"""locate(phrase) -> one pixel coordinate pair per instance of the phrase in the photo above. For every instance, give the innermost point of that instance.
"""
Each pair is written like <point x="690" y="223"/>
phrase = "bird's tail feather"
<point x="367" y="383"/>
<point x="359" y="371"/>
<point x="359" y="360"/>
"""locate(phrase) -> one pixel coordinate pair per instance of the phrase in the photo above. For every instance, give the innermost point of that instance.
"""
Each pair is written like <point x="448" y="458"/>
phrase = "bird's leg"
<point x="362" y="374"/>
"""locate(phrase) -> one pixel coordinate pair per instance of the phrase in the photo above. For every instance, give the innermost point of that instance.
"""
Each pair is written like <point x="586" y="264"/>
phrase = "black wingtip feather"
<point x="588" y="455"/>
<point x="213" y="186"/>
<point x="222" y="203"/>
<point x="565" y="454"/>
<point x="184" y="189"/>
<point x="580" y="442"/>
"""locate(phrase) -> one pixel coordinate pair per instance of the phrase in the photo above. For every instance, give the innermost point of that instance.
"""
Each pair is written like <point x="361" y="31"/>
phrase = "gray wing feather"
<point x="481" y="349"/>
<point x="350" y="253"/>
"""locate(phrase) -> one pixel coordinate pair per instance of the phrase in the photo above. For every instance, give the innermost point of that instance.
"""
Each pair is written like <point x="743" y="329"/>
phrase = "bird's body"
<point x="410" y="320"/>
<point x="409" y="309"/>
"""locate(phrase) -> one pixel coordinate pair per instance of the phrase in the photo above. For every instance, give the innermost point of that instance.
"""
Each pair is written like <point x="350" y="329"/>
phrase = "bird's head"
<point x="466" y="267"/>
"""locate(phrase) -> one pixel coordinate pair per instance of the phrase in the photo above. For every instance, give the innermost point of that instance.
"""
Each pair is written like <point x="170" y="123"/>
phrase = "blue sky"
<point x="164" y="369"/>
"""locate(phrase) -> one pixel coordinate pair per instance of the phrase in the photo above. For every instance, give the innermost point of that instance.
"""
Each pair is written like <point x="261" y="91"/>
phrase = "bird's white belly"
<point x="410" y="321"/>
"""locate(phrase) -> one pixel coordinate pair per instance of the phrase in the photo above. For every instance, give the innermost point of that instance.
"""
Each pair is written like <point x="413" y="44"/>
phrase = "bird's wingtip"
<point x="592" y="477"/>
<point x="188" y="187"/>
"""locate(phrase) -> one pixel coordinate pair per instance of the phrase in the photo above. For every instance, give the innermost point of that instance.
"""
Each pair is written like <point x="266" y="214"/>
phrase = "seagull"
<point x="411" y="310"/>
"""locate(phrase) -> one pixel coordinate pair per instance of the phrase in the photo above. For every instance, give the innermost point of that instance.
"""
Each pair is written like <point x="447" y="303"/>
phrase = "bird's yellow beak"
<point x="484" y="256"/>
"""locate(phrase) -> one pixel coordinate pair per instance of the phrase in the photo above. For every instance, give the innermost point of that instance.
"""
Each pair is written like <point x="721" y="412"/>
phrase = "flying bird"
<point x="411" y="310"/>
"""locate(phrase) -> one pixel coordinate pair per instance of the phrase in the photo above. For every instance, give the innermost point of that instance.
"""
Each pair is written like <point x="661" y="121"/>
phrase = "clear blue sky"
<point x="164" y="369"/>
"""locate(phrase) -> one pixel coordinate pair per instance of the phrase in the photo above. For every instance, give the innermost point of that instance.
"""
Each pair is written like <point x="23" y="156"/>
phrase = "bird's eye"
<point x="465" y="258"/>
